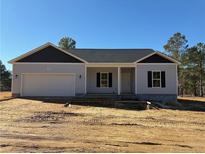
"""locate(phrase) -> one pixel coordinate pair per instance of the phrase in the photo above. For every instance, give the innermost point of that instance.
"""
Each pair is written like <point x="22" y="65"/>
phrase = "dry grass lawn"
<point x="35" y="126"/>
<point x="199" y="99"/>
<point x="5" y="95"/>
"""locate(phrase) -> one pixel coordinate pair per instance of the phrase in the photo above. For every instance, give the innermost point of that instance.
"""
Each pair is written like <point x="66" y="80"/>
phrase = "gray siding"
<point x="91" y="80"/>
<point x="141" y="78"/>
<point x="78" y="69"/>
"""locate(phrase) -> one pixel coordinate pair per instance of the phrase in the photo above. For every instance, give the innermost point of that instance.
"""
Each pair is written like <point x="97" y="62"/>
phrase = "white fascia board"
<point x="40" y="48"/>
<point x="167" y="57"/>
<point x="156" y="64"/>
<point x="38" y="63"/>
<point x="68" y="53"/>
<point x="30" y="52"/>
<point x="145" y="57"/>
<point x="110" y="64"/>
<point x="160" y="54"/>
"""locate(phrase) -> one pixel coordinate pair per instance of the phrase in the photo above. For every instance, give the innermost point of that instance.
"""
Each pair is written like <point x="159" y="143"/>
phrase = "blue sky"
<point x="26" y="24"/>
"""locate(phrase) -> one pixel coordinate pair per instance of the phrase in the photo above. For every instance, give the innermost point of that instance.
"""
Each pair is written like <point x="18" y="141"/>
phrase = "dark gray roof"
<point x="111" y="55"/>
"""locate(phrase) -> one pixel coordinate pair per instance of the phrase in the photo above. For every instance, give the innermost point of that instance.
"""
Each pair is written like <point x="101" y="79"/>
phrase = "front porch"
<point x="110" y="81"/>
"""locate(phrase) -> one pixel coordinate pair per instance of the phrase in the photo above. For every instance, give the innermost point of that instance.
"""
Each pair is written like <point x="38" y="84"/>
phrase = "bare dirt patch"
<point x="35" y="126"/>
<point x="49" y="116"/>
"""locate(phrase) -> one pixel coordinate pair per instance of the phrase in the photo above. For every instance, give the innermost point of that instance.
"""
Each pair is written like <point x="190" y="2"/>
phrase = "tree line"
<point x="191" y="70"/>
<point x="5" y="78"/>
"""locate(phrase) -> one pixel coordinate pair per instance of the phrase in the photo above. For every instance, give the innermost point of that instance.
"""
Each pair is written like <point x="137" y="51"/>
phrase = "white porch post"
<point x="119" y="80"/>
<point x="85" y="79"/>
<point x="136" y="79"/>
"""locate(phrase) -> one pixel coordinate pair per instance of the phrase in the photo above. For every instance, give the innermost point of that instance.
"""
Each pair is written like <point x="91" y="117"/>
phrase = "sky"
<point x="27" y="24"/>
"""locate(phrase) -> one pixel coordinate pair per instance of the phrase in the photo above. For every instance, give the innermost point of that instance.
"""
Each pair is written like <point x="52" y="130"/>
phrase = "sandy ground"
<point x="35" y="126"/>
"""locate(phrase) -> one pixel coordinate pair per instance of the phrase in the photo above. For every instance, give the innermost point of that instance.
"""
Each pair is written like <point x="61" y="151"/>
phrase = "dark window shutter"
<point x="149" y="78"/>
<point x="163" y="81"/>
<point x="110" y="79"/>
<point x="98" y="79"/>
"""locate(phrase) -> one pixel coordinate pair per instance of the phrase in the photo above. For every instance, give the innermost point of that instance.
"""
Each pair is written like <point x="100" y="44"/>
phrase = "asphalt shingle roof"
<point x="110" y="55"/>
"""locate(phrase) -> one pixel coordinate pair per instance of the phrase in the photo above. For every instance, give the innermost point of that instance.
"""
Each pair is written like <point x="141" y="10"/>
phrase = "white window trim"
<point x="107" y="79"/>
<point x="160" y="79"/>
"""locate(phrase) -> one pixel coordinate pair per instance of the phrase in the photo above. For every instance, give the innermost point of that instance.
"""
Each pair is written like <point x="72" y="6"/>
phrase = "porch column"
<point x="85" y="79"/>
<point x="136" y="79"/>
<point x="119" y="80"/>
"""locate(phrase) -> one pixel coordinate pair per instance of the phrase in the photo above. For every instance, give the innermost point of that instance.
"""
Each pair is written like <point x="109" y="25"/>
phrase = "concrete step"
<point x="114" y="103"/>
<point x="112" y="96"/>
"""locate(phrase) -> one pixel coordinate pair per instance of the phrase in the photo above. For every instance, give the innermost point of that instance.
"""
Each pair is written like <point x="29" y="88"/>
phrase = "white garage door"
<point x="48" y="85"/>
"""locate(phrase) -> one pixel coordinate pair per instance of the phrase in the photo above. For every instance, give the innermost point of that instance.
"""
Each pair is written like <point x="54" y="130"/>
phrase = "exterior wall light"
<point x="16" y="76"/>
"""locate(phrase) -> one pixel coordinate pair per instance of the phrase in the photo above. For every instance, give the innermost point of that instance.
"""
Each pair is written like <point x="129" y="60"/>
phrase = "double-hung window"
<point x="104" y="80"/>
<point x="156" y="79"/>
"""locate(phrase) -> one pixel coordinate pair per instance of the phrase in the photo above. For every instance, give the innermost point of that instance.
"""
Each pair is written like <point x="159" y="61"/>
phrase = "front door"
<point x="126" y="82"/>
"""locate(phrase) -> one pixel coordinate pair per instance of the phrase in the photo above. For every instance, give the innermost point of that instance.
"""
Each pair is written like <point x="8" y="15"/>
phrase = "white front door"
<point x="126" y="82"/>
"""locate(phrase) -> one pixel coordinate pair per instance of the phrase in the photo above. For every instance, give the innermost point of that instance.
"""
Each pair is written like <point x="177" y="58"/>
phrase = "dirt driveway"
<point x="35" y="126"/>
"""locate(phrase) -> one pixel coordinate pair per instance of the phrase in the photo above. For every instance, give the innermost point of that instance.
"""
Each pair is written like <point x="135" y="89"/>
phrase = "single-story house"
<point x="51" y="71"/>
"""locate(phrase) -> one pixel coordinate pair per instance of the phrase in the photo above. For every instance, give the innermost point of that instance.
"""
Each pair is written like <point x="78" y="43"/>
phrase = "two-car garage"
<point x="48" y="71"/>
<point x="48" y="84"/>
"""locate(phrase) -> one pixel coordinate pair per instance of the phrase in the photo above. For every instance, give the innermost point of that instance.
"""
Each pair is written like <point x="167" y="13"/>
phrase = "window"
<point x="156" y="80"/>
<point x="104" y="80"/>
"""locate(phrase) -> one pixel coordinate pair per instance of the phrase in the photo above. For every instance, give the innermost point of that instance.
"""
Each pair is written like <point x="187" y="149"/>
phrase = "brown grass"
<point x="189" y="98"/>
<point x="5" y="95"/>
<point x="35" y="126"/>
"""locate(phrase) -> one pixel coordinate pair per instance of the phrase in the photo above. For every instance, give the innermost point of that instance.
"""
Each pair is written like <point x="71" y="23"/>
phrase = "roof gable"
<point x="50" y="54"/>
<point x="58" y="55"/>
<point x="155" y="58"/>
